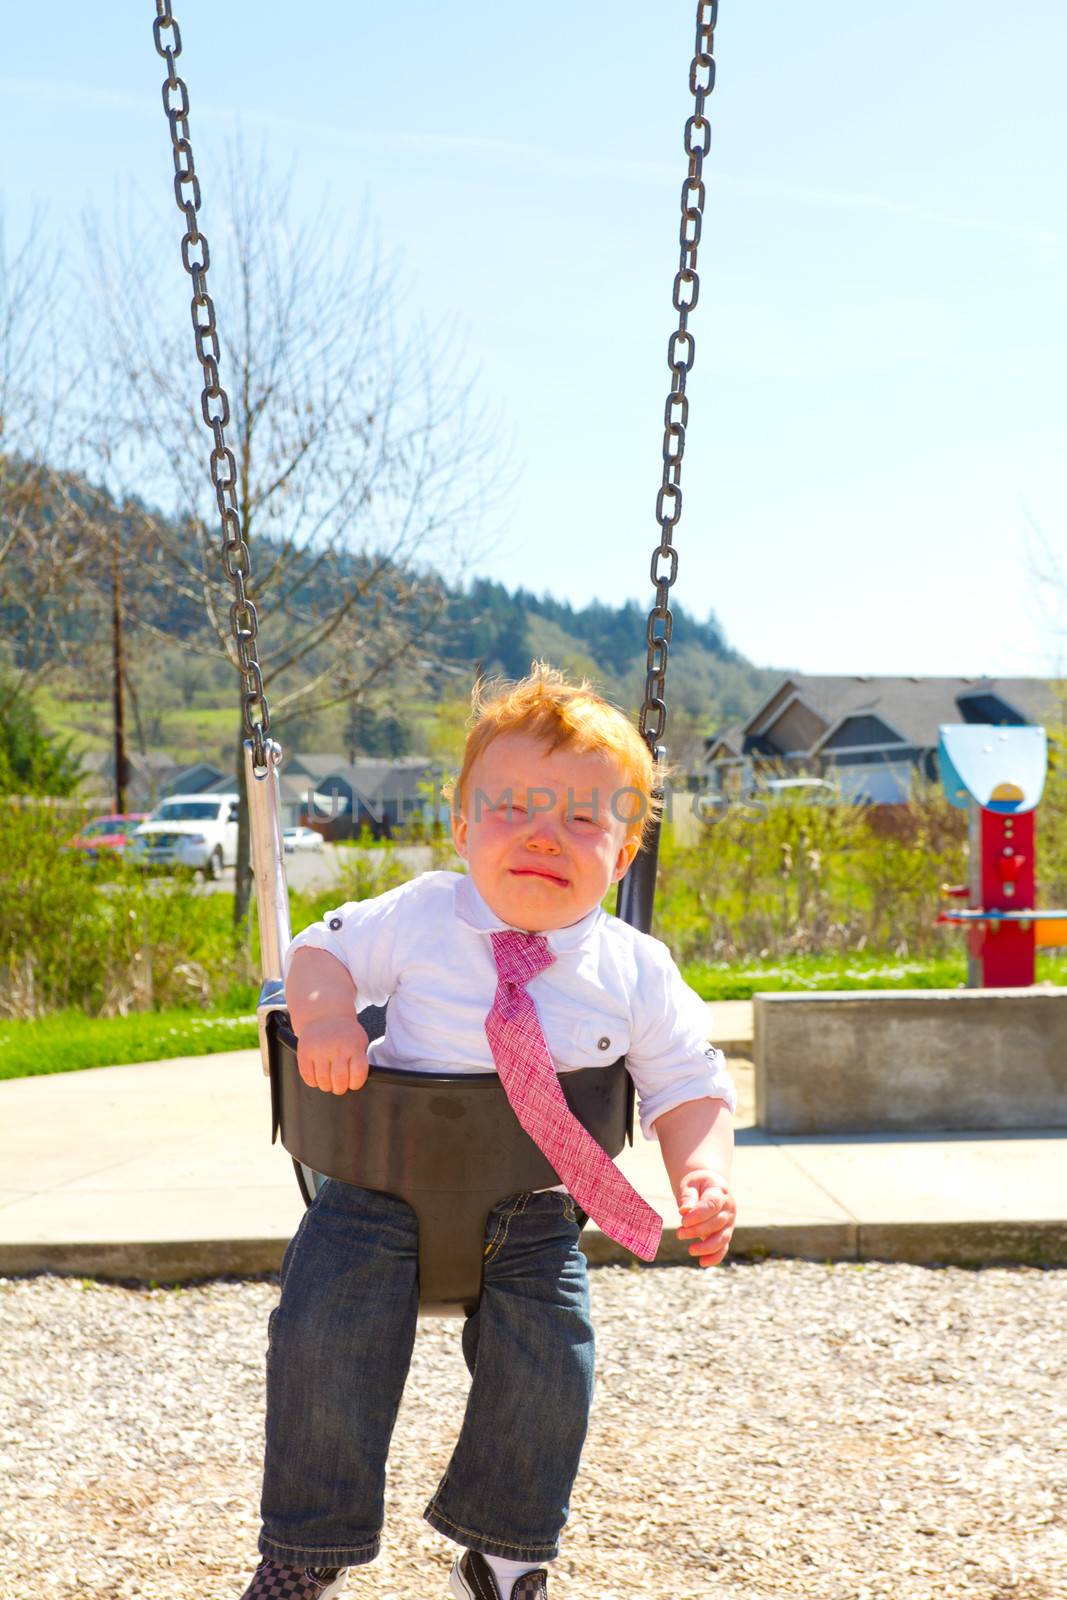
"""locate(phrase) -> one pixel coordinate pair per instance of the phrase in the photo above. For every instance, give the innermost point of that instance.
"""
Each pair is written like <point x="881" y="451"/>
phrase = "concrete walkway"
<point x="165" y="1171"/>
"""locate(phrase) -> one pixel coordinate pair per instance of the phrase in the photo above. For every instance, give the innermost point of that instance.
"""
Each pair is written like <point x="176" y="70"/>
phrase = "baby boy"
<point x="511" y="967"/>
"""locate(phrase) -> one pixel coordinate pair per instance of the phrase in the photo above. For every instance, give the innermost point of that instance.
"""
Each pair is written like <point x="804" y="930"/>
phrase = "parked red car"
<point x="106" y="835"/>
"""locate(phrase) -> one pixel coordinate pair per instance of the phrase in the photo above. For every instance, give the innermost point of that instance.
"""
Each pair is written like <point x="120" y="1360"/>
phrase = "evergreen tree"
<point x="31" y="761"/>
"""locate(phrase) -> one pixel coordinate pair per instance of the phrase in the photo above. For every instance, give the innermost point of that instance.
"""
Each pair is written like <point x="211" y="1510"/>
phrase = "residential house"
<point x="147" y="776"/>
<point x="340" y="797"/>
<point x="868" y="735"/>
<point x="327" y="792"/>
<point x="203" y="777"/>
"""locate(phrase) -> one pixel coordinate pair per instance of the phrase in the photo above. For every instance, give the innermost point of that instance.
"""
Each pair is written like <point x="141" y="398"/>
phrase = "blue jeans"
<point x="340" y="1343"/>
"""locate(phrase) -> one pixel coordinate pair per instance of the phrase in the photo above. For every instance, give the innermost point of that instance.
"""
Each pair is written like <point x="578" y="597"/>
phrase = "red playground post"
<point x="997" y="775"/>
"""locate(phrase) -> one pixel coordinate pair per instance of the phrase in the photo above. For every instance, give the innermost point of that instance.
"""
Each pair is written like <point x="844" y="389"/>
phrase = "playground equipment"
<point x="428" y="1146"/>
<point x="920" y="1060"/>
<point x="997" y="775"/>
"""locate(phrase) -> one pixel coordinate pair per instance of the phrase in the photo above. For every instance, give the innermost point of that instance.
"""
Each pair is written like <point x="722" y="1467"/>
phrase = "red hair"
<point x="562" y="715"/>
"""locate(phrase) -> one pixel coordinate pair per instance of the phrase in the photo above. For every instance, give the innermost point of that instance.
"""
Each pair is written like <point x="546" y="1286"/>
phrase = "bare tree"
<point x="359" y="454"/>
<point x="48" y="517"/>
<point x="1047" y="594"/>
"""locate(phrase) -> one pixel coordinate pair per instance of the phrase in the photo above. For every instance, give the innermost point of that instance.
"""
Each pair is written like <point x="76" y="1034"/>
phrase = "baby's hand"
<point x="709" y="1212"/>
<point x="332" y="1054"/>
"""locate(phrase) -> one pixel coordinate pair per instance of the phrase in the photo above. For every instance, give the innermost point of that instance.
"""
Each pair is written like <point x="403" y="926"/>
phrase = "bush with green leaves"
<point x="803" y="878"/>
<point x="31" y="760"/>
<point x="103" y="938"/>
<point x="1052" y="825"/>
<point x="109" y="940"/>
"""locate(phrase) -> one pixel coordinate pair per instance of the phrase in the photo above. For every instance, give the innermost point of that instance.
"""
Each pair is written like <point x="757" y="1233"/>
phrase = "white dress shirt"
<point x="610" y="991"/>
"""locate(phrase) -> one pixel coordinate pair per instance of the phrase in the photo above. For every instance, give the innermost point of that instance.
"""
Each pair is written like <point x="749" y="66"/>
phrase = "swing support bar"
<point x="268" y="871"/>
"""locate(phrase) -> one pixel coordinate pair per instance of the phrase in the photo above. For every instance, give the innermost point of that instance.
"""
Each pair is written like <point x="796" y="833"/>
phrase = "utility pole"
<point x="118" y="674"/>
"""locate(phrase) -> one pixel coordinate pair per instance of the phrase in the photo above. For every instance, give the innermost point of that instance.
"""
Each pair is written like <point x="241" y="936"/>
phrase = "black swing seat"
<point x="448" y="1144"/>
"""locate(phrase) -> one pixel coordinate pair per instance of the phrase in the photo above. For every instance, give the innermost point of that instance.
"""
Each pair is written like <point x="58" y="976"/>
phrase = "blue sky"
<point x="879" y="416"/>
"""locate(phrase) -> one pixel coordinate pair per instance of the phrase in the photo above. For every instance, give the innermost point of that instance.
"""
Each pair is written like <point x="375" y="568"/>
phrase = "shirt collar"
<point x="472" y="910"/>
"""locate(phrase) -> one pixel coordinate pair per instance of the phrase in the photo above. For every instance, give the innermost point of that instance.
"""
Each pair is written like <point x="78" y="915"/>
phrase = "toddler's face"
<point x="544" y="832"/>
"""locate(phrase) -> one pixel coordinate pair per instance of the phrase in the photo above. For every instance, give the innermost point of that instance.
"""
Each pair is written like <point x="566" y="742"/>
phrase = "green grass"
<point x="741" y="980"/>
<point x="69" y="1040"/>
<point x="86" y="723"/>
<point x="188" y="733"/>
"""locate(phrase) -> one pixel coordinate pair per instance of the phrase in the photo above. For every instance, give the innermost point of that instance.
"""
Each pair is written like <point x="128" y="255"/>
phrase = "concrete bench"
<point x="870" y="1061"/>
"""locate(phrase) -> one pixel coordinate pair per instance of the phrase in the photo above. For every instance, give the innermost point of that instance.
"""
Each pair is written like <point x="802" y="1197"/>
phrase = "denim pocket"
<point x="499" y="1223"/>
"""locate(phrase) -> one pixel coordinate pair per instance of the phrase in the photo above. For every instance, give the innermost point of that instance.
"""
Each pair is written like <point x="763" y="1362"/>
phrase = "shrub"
<point x="1052" y="825"/>
<point x="107" y="940"/>
<point x="103" y="939"/>
<point x="810" y="878"/>
<point x="31" y="760"/>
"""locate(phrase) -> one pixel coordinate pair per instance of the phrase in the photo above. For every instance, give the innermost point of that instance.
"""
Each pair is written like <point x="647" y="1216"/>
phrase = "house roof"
<point x="203" y="776"/>
<point x="914" y="707"/>
<point x="313" y="765"/>
<point x="103" y="761"/>
<point x="293" y="788"/>
<point x="370" y="778"/>
<point x="200" y="766"/>
<point x="729" y="739"/>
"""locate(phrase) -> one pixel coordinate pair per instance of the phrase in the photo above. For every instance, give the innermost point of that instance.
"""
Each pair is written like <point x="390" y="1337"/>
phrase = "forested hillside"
<point x="395" y="676"/>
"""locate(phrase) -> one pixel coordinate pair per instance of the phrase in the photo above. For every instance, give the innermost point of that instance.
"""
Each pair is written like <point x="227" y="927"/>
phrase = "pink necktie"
<point x="531" y="1083"/>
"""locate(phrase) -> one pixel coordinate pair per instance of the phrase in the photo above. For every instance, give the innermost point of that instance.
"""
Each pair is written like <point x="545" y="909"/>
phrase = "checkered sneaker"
<point x="472" y="1579"/>
<point x="532" y="1086"/>
<point x="275" y="1582"/>
<point x="531" y="1586"/>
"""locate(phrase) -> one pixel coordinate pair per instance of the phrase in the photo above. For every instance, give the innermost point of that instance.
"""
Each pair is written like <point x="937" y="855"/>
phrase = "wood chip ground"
<point x="774" y="1429"/>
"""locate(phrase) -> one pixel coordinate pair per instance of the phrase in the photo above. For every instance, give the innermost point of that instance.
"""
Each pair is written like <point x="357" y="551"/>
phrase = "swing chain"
<point x="214" y="401"/>
<point x="680" y="352"/>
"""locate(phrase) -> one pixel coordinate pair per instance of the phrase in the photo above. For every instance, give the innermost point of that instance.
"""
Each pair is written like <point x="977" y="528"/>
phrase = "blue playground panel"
<point x="1002" y="769"/>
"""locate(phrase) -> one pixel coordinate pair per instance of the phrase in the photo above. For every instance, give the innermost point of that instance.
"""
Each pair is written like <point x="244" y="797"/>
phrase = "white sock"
<point x="505" y="1572"/>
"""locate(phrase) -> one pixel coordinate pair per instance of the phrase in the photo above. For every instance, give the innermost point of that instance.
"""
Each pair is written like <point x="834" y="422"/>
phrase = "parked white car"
<point x="799" y="791"/>
<point x="300" y="839"/>
<point x="754" y="801"/>
<point x="197" y="832"/>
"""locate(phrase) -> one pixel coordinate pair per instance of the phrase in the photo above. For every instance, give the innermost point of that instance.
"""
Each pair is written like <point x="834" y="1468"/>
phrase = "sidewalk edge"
<point x="1037" y="1243"/>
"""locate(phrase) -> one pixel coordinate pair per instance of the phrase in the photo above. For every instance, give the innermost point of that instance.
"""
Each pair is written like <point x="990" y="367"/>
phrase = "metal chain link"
<point x="680" y="352"/>
<point x="214" y="402"/>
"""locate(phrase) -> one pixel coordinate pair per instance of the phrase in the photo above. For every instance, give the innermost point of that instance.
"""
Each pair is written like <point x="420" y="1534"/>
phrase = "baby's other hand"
<point x="332" y="1054"/>
<point x="709" y="1212"/>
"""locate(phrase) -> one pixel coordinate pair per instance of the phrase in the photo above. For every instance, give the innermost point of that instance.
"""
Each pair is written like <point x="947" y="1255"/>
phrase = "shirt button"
<point x="603" y="1043"/>
<point x="335" y="923"/>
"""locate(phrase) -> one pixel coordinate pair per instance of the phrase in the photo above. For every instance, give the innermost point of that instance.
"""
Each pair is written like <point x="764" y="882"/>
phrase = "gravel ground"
<point x="779" y="1429"/>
